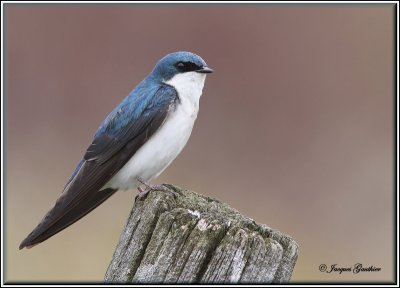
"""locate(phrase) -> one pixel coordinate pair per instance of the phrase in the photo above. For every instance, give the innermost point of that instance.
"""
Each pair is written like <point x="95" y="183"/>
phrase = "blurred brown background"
<point x="295" y="128"/>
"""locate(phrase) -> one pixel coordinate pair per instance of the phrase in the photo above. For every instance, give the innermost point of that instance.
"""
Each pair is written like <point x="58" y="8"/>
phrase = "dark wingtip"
<point x="27" y="243"/>
<point x="23" y="244"/>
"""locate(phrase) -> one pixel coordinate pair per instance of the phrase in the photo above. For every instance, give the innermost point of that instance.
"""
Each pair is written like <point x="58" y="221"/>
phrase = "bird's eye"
<point x="186" y="66"/>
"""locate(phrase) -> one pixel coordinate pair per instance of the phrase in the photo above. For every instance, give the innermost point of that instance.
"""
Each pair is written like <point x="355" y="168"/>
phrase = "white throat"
<point x="189" y="86"/>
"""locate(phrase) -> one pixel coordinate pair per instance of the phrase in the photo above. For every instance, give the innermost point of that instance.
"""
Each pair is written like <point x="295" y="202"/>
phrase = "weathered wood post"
<point x="184" y="237"/>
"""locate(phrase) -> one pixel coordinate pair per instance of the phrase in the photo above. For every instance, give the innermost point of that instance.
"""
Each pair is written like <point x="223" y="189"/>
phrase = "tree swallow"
<point x="135" y="143"/>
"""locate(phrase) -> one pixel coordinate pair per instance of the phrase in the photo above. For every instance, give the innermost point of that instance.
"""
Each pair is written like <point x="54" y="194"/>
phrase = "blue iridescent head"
<point x="180" y="62"/>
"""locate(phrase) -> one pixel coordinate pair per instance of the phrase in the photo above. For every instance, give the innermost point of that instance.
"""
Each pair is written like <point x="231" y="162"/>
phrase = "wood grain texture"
<point x="184" y="237"/>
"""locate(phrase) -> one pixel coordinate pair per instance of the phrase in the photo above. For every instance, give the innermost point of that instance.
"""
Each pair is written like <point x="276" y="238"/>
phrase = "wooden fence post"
<point x="184" y="237"/>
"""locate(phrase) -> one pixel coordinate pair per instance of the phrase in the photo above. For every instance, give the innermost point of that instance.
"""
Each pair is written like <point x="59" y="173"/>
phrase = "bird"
<point x="134" y="144"/>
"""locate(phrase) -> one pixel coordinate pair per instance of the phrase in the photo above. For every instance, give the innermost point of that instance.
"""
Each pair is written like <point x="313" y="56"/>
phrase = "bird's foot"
<point x="151" y="186"/>
<point x="143" y="192"/>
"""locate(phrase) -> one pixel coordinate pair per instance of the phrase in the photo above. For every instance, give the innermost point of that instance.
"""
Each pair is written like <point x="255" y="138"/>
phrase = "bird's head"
<point x="179" y="63"/>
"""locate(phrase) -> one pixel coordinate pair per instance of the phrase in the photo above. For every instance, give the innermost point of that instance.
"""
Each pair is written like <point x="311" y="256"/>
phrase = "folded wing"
<point x="123" y="132"/>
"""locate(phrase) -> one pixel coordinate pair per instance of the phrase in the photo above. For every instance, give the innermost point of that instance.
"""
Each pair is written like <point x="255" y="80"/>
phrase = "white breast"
<point x="163" y="147"/>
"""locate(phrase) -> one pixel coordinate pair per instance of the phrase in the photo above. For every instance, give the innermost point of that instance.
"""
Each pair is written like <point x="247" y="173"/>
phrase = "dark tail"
<point x="56" y="220"/>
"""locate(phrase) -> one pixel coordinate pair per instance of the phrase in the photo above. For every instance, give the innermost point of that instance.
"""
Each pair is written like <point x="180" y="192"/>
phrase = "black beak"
<point x="205" y="69"/>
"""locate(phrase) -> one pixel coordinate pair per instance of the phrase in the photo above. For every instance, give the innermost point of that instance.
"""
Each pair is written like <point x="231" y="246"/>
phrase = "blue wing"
<point x="128" y="126"/>
<point x="122" y="133"/>
<point x="129" y="120"/>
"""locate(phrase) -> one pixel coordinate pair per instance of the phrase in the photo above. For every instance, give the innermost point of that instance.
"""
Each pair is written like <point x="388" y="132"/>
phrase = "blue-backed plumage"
<point x="142" y="97"/>
<point x="135" y="142"/>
